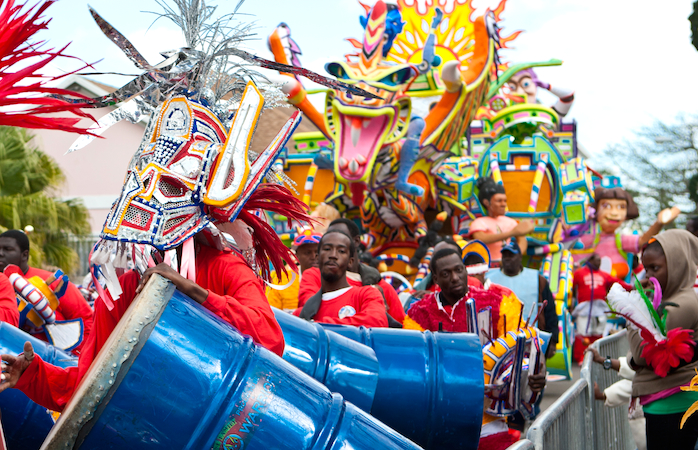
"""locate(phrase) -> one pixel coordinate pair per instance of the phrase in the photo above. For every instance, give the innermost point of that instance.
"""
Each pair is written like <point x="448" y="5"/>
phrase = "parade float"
<point x="452" y="112"/>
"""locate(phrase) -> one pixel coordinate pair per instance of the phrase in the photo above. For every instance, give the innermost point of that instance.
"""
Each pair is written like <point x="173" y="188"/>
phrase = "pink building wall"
<point x="95" y="173"/>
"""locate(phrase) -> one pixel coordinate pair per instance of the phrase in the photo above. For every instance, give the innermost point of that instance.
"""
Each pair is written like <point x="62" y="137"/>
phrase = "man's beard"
<point x="330" y="277"/>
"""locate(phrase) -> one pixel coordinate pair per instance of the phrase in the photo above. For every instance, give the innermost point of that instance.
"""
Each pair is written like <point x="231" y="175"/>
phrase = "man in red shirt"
<point x="591" y="286"/>
<point x="14" y="249"/>
<point x="337" y="301"/>
<point x="357" y="275"/>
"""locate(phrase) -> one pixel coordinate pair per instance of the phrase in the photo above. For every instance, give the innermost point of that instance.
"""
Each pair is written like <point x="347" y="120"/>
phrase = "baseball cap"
<point x="306" y="237"/>
<point x="512" y="246"/>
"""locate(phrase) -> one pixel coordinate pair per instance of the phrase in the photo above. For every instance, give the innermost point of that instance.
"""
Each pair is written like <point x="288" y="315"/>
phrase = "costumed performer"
<point x="613" y="206"/>
<point x="496" y="228"/>
<point x="305" y="247"/>
<point x="190" y="172"/>
<point x="14" y="250"/>
<point x="358" y="274"/>
<point x="337" y="301"/>
<point x="591" y="286"/>
<point x="446" y="311"/>
<point x="663" y="352"/>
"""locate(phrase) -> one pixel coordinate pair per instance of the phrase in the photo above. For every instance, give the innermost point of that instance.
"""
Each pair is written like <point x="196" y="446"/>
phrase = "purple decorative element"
<point x="657" y="293"/>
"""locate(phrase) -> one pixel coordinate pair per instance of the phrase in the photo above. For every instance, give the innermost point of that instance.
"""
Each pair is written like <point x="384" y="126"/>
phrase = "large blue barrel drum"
<point x="341" y="364"/>
<point x="430" y="385"/>
<point x="25" y="423"/>
<point x="173" y="376"/>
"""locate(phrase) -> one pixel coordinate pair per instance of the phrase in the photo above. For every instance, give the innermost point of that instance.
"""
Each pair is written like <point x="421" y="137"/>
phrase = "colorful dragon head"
<point x="361" y="127"/>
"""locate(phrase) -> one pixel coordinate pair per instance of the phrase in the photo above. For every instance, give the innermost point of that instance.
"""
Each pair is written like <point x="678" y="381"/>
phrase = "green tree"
<point x="29" y="183"/>
<point x="659" y="166"/>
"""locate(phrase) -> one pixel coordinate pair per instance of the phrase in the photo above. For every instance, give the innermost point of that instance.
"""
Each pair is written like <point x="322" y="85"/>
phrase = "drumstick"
<point x="545" y="303"/>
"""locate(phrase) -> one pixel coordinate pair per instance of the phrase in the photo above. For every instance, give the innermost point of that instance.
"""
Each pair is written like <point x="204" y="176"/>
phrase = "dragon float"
<point x="451" y="112"/>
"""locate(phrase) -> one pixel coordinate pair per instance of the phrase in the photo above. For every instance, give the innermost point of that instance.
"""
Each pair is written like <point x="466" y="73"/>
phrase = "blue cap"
<point x="512" y="246"/>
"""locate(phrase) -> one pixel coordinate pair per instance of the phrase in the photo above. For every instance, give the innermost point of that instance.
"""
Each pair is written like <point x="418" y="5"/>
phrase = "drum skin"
<point x="25" y="423"/>
<point x="341" y="364"/>
<point x="174" y="376"/>
<point x="430" y="385"/>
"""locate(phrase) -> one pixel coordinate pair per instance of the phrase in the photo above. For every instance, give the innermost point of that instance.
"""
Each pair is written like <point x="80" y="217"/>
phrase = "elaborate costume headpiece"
<point x="194" y="166"/>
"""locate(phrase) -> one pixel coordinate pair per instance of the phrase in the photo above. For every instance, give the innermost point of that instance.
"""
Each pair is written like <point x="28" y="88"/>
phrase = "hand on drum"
<point x="187" y="287"/>
<point x="551" y="350"/>
<point x="14" y="366"/>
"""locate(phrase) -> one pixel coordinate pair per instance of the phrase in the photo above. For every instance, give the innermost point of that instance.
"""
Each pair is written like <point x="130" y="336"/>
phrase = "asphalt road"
<point x="555" y="389"/>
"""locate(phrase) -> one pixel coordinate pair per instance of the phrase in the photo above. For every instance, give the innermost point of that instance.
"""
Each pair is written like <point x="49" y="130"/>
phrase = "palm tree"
<point x="29" y="181"/>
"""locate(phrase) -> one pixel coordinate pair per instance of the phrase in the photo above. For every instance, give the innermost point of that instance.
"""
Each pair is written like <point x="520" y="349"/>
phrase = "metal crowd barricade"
<point x="523" y="444"/>
<point x="565" y="424"/>
<point x="611" y="426"/>
<point x="576" y="421"/>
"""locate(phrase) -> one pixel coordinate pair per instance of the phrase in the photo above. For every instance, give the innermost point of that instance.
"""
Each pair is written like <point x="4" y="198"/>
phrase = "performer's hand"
<point x="537" y="382"/>
<point x="188" y="287"/>
<point x="598" y="359"/>
<point x="14" y="366"/>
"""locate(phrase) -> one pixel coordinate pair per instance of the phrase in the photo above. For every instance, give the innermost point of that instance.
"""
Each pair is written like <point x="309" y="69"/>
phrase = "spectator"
<point x="305" y="247"/>
<point x="530" y="287"/>
<point x="357" y="275"/>
<point x="14" y="249"/>
<point x="495" y="228"/>
<point x="337" y="301"/>
<point x="672" y="259"/>
<point x="692" y="227"/>
<point x="591" y="285"/>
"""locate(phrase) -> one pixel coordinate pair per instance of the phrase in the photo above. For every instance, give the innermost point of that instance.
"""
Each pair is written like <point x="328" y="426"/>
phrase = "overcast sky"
<point x="629" y="61"/>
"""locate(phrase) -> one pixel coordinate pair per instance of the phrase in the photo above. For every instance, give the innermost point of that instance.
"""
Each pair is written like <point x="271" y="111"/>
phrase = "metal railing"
<point x="577" y="421"/>
<point x="82" y="246"/>
<point x="523" y="444"/>
<point x="611" y="426"/>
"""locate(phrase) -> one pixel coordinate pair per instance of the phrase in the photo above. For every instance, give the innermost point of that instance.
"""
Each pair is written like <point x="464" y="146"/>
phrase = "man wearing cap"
<point x="305" y="246"/>
<point x="530" y="287"/>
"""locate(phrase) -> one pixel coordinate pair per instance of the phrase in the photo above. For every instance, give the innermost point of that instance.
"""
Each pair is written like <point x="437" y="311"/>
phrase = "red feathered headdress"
<point x="268" y="246"/>
<point x="25" y="99"/>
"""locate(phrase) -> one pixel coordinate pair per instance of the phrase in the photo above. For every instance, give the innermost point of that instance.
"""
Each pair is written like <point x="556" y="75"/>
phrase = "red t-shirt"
<point x="8" y="302"/>
<point x="311" y="283"/>
<point x="602" y="284"/>
<point x="72" y="305"/>
<point x="234" y="293"/>
<point x="353" y="306"/>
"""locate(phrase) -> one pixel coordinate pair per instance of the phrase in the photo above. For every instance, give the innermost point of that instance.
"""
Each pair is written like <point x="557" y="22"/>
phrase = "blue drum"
<point x="341" y="364"/>
<point x="174" y="376"/>
<point x="430" y="385"/>
<point x="25" y="423"/>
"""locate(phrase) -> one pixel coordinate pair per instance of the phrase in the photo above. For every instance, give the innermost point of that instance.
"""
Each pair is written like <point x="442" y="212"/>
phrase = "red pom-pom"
<point x="667" y="354"/>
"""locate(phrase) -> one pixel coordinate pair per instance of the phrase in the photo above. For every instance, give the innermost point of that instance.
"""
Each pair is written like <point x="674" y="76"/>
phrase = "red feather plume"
<point x="24" y="97"/>
<point x="268" y="246"/>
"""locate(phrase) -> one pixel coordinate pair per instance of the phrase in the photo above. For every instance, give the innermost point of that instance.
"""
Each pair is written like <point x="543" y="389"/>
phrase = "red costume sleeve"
<point x="236" y="295"/>
<point x="8" y="302"/>
<point x="370" y="311"/>
<point x="310" y="284"/>
<point x="395" y="308"/>
<point x="51" y="386"/>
